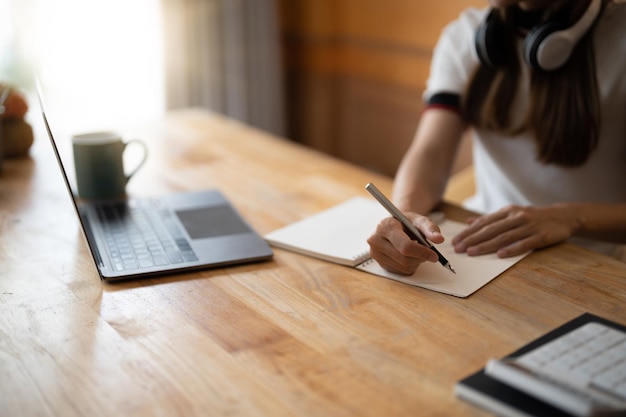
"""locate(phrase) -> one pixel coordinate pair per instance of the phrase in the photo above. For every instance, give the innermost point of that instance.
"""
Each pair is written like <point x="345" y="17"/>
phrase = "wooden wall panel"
<point x="356" y="70"/>
<point x="376" y="124"/>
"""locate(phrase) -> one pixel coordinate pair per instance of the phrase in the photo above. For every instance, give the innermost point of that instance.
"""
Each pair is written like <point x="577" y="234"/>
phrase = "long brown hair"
<point x="564" y="110"/>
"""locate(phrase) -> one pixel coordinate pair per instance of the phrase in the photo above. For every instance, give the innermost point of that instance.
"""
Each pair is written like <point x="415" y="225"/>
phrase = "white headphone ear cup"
<point x="549" y="46"/>
<point x="555" y="51"/>
<point x="546" y="48"/>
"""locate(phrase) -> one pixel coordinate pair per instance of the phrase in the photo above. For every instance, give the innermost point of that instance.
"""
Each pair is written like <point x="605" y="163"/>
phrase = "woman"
<point x="549" y="132"/>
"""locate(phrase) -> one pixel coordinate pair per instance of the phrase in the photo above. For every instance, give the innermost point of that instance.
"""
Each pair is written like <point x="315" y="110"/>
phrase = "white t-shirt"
<point x="506" y="169"/>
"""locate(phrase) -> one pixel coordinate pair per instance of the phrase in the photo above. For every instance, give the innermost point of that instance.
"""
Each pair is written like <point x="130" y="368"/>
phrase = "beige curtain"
<point x="225" y="55"/>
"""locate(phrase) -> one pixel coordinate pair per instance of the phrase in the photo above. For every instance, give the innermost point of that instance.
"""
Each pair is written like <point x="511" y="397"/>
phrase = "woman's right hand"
<point x="417" y="188"/>
<point x="392" y="248"/>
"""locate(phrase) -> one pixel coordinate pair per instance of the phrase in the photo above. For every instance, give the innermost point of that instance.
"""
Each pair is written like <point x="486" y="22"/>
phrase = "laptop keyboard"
<point x="140" y="237"/>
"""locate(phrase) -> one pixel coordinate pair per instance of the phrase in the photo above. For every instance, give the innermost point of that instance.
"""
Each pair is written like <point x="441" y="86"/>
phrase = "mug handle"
<point x="143" y="160"/>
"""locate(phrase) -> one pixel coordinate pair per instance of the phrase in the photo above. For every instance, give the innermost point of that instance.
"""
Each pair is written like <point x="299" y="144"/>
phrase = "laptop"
<point x="141" y="237"/>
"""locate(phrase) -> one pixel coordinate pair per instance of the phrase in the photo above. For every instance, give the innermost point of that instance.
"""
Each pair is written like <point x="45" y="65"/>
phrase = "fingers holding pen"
<point x="392" y="248"/>
<point x="429" y="229"/>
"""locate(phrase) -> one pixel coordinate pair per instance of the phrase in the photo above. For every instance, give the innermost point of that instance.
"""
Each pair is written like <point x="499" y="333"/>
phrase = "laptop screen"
<point x="55" y="148"/>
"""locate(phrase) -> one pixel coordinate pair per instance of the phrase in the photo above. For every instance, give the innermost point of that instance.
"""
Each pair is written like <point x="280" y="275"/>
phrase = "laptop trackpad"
<point x="207" y="222"/>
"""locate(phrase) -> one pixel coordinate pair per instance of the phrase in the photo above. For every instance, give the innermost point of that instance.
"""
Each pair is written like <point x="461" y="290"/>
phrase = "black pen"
<point x="409" y="228"/>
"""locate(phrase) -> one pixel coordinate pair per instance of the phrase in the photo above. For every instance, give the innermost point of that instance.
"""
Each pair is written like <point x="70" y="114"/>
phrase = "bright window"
<point x="101" y="61"/>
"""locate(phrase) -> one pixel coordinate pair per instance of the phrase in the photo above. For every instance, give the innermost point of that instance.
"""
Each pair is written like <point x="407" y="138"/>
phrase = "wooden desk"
<point x="290" y="337"/>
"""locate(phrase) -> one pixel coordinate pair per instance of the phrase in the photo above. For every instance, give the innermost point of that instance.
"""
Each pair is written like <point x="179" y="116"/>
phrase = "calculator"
<point x="582" y="372"/>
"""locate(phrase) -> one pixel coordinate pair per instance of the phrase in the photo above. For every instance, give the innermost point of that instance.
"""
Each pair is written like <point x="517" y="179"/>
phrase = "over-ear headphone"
<point x="547" y="46"/>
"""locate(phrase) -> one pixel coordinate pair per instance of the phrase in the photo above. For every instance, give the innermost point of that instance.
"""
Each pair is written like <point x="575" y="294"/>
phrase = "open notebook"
<point x="339" y="234"/>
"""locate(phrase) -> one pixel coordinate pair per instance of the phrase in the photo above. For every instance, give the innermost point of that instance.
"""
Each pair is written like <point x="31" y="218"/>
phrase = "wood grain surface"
<point x="293" y="336"/>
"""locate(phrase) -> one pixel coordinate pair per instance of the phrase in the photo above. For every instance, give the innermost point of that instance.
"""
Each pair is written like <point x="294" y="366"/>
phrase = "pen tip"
<point x="451" y="269"/>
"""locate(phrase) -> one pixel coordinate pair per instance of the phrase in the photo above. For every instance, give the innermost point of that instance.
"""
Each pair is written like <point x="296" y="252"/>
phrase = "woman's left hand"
<point x="515" y="230"/>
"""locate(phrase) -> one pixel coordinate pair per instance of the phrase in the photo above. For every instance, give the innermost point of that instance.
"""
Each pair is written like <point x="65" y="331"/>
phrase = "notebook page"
<point x="472" y="272"/>
<point x="338" y="234"/>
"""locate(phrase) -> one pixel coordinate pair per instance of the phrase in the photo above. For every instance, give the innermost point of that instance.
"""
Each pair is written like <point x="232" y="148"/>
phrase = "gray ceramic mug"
<point x="99" y="164"/>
